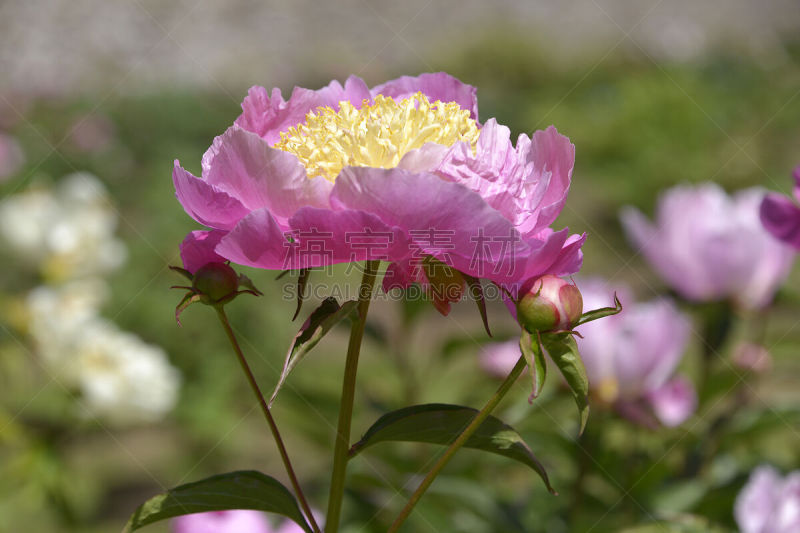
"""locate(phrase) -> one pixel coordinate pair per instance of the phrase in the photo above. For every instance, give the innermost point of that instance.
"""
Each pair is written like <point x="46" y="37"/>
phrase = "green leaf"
<point x="438" y="423"/>
<point x="563" y="350"/>
<point x="324" y="317"/>
<point x="302" y="281"/>
<point x="600" y="313"/>
<point x="534" y="356"/>
<point x="476" y="291"/>
<point x="245" y="489"/>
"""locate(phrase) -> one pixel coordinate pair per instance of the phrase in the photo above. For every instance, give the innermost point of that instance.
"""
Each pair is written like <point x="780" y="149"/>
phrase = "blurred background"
<point x="105" y="402"/>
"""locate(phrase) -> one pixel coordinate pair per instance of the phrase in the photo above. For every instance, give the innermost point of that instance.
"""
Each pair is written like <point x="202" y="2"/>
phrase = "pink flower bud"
<point x="550" y="304"/>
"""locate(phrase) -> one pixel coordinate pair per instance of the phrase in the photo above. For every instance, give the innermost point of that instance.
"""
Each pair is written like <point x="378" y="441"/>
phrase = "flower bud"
<point x="550" y="304"/>
<point x="215" y="281"/>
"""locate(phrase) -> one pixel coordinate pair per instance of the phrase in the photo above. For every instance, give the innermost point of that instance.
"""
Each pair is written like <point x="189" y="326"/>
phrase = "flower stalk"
<point x="458" y="443"/>
<point x="342" y="445"/>
<point x="223" y="318"/>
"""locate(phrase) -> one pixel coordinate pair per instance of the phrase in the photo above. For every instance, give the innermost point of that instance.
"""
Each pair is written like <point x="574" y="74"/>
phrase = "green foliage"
<point x="442" y="424"/>
<point x="235" y="490"/>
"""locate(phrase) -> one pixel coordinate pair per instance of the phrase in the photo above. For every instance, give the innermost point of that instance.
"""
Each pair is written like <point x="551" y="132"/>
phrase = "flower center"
<point x="377" y="135"/>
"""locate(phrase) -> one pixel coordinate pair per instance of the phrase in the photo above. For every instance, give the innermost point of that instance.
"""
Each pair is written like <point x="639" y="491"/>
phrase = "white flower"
<point x="67" y="232"/>
<point x="123" y="379"/>
<point x="58" y="317"/>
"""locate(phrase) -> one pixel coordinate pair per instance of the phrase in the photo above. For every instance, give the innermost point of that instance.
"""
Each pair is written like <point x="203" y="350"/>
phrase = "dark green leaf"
<point x="302" y="281"/>
<point x="324" y="317"/>
<point x="563" y="350"/>
<point x="235" y="490"/>
<point x="534" y="356"/>
<point x="476" y="291"/>
<point x="600" y="313"/>
<point x="442" y="424"/>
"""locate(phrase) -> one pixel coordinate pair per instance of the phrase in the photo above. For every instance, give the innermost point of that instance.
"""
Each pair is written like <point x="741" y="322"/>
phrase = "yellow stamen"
<point x="377" y="135"/>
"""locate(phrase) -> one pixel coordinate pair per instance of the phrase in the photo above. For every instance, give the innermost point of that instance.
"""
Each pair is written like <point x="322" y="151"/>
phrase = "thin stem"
<point x="270" y="421"/>
<point x="348" y="395"/>
<point x="458" y="443"/>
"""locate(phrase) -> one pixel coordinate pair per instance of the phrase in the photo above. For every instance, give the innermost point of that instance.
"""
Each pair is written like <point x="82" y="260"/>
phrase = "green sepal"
<point x="600" y="313"/>
<point x="563" y="350"/>
<point x="534" y="355"/>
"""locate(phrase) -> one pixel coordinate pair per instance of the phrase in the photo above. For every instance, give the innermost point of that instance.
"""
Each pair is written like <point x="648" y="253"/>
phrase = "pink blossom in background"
<point x="781" y="216"/>
<point x="239" y="521"/>
<point x="330" y="191"/>
<point x="769" y="503"/>
<point x="631" y="357"/>
<point x="498" y="358"/>
<point x="11" y="156"/>
<point x="710" y="246"/>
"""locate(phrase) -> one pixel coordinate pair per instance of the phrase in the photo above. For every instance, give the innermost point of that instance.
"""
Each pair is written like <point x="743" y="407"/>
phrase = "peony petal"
<point x="443" y="219"/>
<point x="326" y="237"/>
<point x="268" y="115"/>
<point x="781" y="217"/>
<point x="197" y="249"/>
<point x="674" y="402"/>
<point x="756" y="503"/>
<point x="257" y="241"/>
<point x="261" y="176"/>
<point x="436" y="86"/>
<point x="205" y="203"/>
<point x="553" y="154"/>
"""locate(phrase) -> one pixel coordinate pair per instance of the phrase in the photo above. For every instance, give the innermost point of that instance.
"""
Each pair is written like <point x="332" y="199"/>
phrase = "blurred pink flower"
<point x="752" y="357"/>
<point x="781" y="216"/>
<point x="710" y="246"/>
<point x="631" y="357"/>
<point x="11" y="156"/>
<point x="398" y="172"/>
<point x="498" y="358"/>
<point x="769" y="503"/>
<point x="239" y="521"/>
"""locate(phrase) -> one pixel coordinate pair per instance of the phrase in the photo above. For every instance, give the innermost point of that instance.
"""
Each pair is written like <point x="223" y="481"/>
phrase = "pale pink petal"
<point x="324" y="237"/>
<point x="205" y="203"/>
<point x="267" y="115"/>
<point x="781" y="217"/>
<point x="552" y="154"/>
<point x="787" y="513"/>
<point x="674" y="402"/>
<point x="756" y="503"/>
<point x="238" y="521"/>
<point x="197" y="249"/>
<point x="257" y="241"/>
<point x="436" y="86"/>
<point x="446" y="221"/>
<point x="261" y="176"/>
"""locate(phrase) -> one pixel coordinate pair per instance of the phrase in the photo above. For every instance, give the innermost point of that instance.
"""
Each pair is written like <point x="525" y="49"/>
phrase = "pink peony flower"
<point x="781" y="216"/>
<point x="769" y="503"/>
<point x="240" y="521"/>
<point x="631" y="357"/>
<point x="711" y="246"/>
<point x="498" y="358"/>
<point x="399" y="172"/>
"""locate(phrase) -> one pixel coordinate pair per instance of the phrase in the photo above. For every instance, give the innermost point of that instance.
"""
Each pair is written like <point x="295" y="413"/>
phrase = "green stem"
<point x="348" y="394"/>
<point x="458" y="443"/>
<point x="270" y="421"/>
